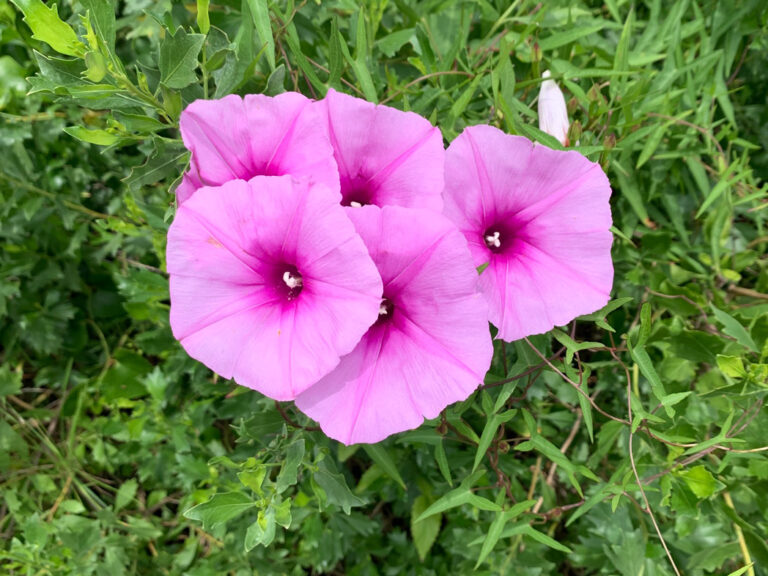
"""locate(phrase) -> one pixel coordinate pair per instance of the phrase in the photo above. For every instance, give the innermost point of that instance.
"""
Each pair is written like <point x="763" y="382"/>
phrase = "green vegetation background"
<point x="589" y="449"/>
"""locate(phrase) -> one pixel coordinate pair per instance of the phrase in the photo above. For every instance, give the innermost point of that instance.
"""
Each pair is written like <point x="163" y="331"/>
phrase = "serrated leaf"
<point x="261" y="532"/>
<point x="734" y="329"/>
<point x="731" y="366"/>
<point x="336" y="490"/>
<point x="289" y="471"/>
<point x="125" y="494"/>
<point x="164" y="161"/>
<point x="424" y="533"/>
<point x="101" y="14"/>
<point x="49" y="28"/>
<point x="220" y="509"/>
<point x="253" y="479"/>
<point x="283" y="513"/>
<point x="178" y="58"/>
<point x="700" y="481"/>
<point x="10" y="381"/>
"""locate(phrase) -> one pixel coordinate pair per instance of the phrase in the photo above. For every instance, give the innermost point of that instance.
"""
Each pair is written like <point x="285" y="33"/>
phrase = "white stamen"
<point x="493" y="240"/>
<point x="382" y="309"/>
<point x="291" y="281"/>
<point x="354" y="204"/>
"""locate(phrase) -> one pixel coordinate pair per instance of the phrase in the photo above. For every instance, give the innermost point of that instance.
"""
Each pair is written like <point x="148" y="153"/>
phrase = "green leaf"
<point x="125" y="494"/>
<point x="261" y="532"/>
<point x="458" y="497"/>
<point x="49" y="28"/>
<point x="424" y="532"/>
<point x="621" y="56"/>
<point x="10" y="381"/>
<point x="391" y="43"/>
<point x="489" y="431"/>
<point x="165" y="161"/>
<point x="335" y="56"/>
<point x="260" y="15"/>
<point x="731" y="366"/>
<point x="276" y="81"/>
<point x="544" y="539"/>
<point x="100" y="137"/>
<point x="289" y="471"/>
<point x="379" y="454"/>
<point x="203" y="18"/>
<point x="96" y="65"/>
<point x="640" y="356"/>
<point x="492" y="537"/>
<point x="294" y="44"/>
<point x="101" y="14"/>
<point x="283" y="513"/>
<point x="442" y="462"/>
<point x="359" y="64"/>
<point x="336" y="490"/>
<point x="253" y="479"/>
<point x="700" y="481"/>
<point x="645" y="325"/>
<point x="743" y="570"/>
<point x="178" y="58"/>
<point x="561" y="38"/>
<point x="220" y="509"/>
<point x="734" y="328"/>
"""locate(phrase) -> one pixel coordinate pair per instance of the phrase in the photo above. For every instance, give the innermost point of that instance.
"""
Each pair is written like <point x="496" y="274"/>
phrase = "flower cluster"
<point x="327" y="252"/>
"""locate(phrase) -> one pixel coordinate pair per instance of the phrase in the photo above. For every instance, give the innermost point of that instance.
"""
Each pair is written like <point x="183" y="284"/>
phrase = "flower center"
<point x="386" y="309"/>
<point x="500" y="237"/>
<point x="493" y="240"/>
<point x="355" y="193"/>
<point x="291" y="283"/>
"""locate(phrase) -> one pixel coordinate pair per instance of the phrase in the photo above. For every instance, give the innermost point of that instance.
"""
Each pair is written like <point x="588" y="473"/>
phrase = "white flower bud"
<point x="553" y="114"/>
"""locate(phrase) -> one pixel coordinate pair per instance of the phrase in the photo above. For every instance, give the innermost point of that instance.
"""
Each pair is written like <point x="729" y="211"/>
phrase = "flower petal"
<point x="553" y="113"/>
<point x="385" y="156"/>
<point x="554" y="213"/>
<point x="235" y="138"/>
<point x="432" y="351"/>
<point x="228" y="250"/>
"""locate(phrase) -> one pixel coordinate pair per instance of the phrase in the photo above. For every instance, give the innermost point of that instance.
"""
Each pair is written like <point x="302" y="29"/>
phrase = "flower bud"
<point x="574" y="132"/>
<point x="553" y="115"/>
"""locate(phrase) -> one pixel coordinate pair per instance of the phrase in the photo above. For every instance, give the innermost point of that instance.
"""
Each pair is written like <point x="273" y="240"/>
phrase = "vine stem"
<point x="640" y="482"/>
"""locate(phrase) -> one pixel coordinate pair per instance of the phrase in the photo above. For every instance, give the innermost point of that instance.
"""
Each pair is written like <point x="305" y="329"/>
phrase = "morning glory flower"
<point x="269" y="282"/>
<point x="430" y="346"/>
<point x="553" y="113"/>
<point x="238" y="138"/>
<point x="386" y="157"/>
<point x="540" y="220"/>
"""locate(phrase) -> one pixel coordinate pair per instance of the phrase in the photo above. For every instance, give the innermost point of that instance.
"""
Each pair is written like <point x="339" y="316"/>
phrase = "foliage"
<point x="584" y="448"/>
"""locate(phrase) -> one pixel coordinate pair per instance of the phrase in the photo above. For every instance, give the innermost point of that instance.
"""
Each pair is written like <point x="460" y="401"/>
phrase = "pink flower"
<point x="540" y="219"/>
<point x="236" y="138"/>
<point x="553" y="113"/>
<point x="386" y="157"/>
<point x="269" y="282"/>
<point x="430" y="346"/>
